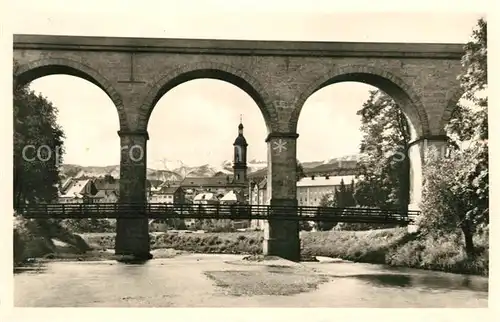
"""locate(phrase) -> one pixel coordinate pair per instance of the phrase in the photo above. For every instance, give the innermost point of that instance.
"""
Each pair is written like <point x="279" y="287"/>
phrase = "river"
<point x="198" y="280"/>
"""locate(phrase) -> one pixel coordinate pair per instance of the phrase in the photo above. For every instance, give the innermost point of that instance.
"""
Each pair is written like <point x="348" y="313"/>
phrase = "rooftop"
<point x="107" y="183"/>
<point x="105" y="193"/>
<point x="169" y="190"/>
<point x="205" y="196"/>
<point x="323" y="181"/>
<point x="75" y="188"/>
<point x="220" y="181"/>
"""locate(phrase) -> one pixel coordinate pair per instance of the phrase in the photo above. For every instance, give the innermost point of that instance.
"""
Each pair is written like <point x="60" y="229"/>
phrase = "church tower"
<point x="240" y="157"/>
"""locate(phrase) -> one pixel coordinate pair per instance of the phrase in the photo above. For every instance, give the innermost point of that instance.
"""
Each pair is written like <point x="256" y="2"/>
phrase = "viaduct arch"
<point x="170" y="78"/>
<point x="384" y="80"/>
<point x="31" y="70"/>
<point x="278" y="75"/>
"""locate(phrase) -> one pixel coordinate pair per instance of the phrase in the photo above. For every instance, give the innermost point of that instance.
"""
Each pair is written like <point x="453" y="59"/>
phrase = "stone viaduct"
<point x="278" y="75"/>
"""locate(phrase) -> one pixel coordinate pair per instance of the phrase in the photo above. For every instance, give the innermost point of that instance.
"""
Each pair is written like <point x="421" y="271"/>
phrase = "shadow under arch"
<point x="26" y="73"/>
<point x="394" y="86"/>
<point x="208" y="70"/>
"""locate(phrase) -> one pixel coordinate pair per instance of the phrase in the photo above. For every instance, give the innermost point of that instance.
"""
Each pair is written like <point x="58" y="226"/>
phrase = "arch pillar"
<point x="281" y="238"/>
<point x="418" y="152"/>
<point x="132" y="234"/>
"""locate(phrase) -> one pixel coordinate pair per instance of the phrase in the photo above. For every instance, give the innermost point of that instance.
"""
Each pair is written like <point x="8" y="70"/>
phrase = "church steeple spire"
<point x="240" y="140"/>
<point x="240" y="156"/>
<point x="240" y="127"/>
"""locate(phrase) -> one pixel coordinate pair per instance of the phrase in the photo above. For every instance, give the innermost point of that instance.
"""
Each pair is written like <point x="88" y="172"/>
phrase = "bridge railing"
<point x="217" y="211"/>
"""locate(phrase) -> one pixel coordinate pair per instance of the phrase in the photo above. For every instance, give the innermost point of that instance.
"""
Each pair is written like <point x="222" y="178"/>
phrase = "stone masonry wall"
<point x="280" y="85"/>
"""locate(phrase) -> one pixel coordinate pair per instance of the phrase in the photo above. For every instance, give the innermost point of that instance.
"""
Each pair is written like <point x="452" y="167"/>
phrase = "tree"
<point x="300" y="171"/>
<point x="333" y="201"/>
<point x="341" y="201"/>
<point x="384" y="161"/>
<point x="327" y="200"/>
<point x="352" y="198"/>
<point x="447" y="205"/>
<point x="37" y="154"/>
<point x="344" y="196"/>
<point x="470" y="121"/>
<point x="341" y="197"/>
<point x="35" y="130"/>
<point x="473" y="178"/>
<point x="456" y="190"/>
<point x="474" y="81"/>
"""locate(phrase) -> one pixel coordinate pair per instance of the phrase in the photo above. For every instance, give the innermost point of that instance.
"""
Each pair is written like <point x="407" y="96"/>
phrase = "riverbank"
<point x="394" y="247"/>
<point x="221" y="280"/>
<point x="35" y="238"/>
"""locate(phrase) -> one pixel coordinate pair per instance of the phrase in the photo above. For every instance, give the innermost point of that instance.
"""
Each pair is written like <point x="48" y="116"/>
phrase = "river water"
<point x="184" y="281"/>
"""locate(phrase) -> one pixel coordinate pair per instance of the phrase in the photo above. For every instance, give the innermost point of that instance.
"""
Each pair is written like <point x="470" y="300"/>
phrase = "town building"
<point x="106" y="196"/>
<point x="196" y="185"/>
<point x="108" y="189"/>
<point x="259" y="196"/>
<point x="311" y="189"/>
<point x="220" y="185"/>
<point x="206" y="198"/>
<point x="77" y="191"/>
<point x="168" y="195"/>
<point x="92" y="190"/>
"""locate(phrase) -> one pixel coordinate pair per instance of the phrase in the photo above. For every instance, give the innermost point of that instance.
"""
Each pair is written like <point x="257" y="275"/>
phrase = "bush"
<point x="214" y="225"/>
<point x="445" y="253"/>
<point x="19" y="245"/>
<point x="342" y="226"/>
<point x="168" y="224"/>
<point x="89" y="225"/>
<point x="33" y="238"/>
<point x="305" y="226"/>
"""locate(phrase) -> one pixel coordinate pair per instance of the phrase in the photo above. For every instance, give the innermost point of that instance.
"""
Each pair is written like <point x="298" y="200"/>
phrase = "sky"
<point x="196" y="122"/>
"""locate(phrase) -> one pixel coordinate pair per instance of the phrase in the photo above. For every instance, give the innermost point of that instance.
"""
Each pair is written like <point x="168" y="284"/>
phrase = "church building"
<point x="240" y="158"/>
<point x="240" y="169"/>
<point x="222" y="184"/>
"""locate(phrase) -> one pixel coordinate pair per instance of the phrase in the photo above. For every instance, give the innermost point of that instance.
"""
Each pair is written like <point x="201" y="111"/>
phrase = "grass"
<point x="395" y="247"/>
<point x="226" y="243"/>
<point x="357" y="246"/>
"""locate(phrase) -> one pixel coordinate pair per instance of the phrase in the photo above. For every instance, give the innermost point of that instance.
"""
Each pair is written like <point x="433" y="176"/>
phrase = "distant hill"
<point x="78" y="171"/>
<point x="343" y="165"/>
<point x="176" y="170"/>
